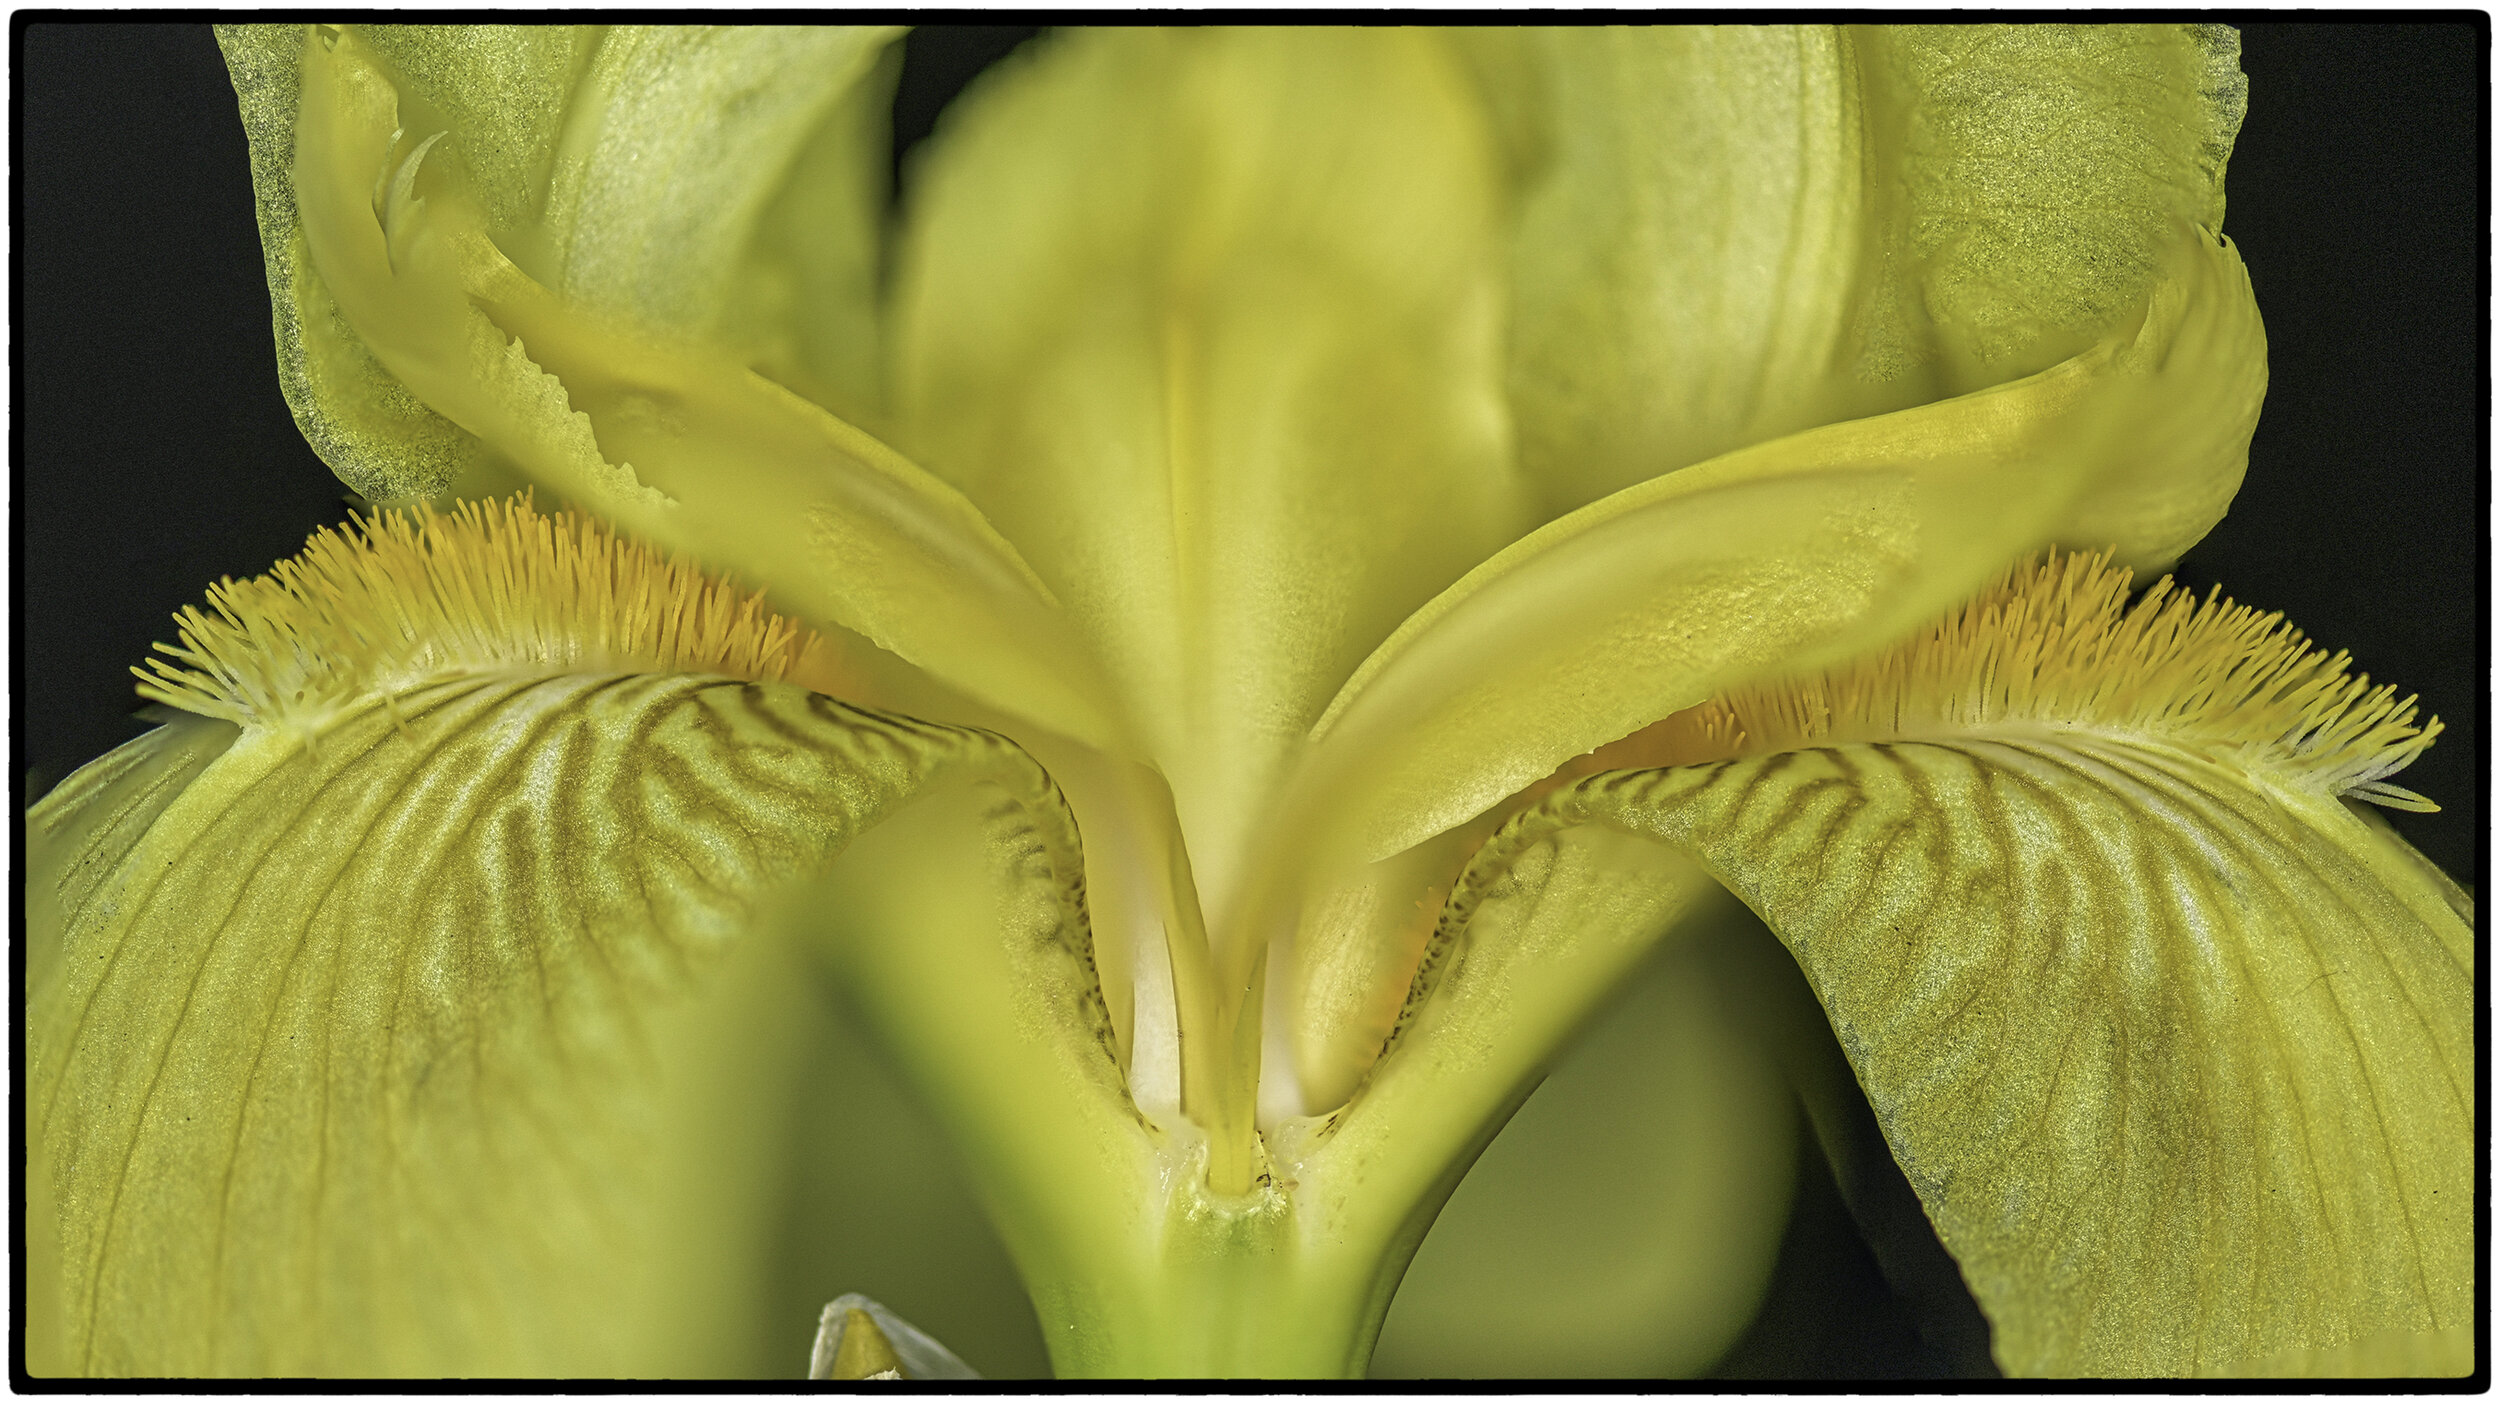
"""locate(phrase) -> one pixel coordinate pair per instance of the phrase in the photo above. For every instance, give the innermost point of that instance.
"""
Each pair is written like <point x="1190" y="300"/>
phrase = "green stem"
<point x="1139" y="1262"/>
<point x="1245" y="1286"/>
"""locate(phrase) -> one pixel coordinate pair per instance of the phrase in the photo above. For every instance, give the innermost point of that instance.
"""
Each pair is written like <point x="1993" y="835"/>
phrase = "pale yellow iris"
<point x="1271" y="509"/>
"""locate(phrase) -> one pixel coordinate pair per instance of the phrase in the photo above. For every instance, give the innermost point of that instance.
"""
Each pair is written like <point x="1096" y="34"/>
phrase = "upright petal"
<point x="577" y="145"/>
<point x="1727" y="234"/>
<point x="1689" y="218"/>
<point x="662" y="434"/>
<point x="1208" y="321"/>
<point x="729" y="179"/>
<point x="375" y="433"/>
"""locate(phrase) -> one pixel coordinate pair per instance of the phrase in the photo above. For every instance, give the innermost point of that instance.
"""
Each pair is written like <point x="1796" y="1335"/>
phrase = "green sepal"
<point x="2179" y="1056"/>
<point x="1625" y="1221"/>
<point x="450" y="1040"/>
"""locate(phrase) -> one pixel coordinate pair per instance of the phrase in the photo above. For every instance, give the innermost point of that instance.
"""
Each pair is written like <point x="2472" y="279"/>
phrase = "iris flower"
<point x="1303" y="565"/>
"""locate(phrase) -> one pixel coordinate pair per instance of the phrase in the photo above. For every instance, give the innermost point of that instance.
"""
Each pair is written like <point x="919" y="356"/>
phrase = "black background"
<point x="153" y="454"/>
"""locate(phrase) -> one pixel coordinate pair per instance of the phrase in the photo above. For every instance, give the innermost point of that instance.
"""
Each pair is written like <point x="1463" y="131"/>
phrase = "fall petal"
<point x="406" y="1056"/>
<point x="428" y="1015"/>
<point x="2177" y="1050"/>
<point x="2174" y="1110"/>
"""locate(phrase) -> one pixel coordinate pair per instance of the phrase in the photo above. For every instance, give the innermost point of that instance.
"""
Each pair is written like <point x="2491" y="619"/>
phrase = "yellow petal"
<point x="2177" y="1050"/>
<point x="959" y="928"/>
<point x="376" y="434"/>
<point x="582" y="149"/>
<point x="667" y="438"/>
<point x="1208" y="322"/>
<point x="729" y="180"/>
<point x="425" y="1018"/>
<point x="1727" y="234"/>
<point x="1785" y="557"/>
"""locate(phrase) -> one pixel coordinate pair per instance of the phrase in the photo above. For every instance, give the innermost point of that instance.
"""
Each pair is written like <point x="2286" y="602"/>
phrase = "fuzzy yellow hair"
<point x="2053" y="642"/>
<point x="403" y="598"/>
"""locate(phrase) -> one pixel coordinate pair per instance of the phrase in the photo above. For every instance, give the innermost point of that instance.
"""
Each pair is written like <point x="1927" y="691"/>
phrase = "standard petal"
<point x="1208" y="322"/>
<point x="666" y="437"/>
<point x="2177" y="1050"/>
<point x="804" y="307"/>
<point x="1723" y="235"/>
<point x="376" y="434"/>
<point x="642" y="168"/>
<point x="432" y="1022"/>
<point x="1781" y="558"/>
<point x="1688" y="220"/>
<point x="2040" y="173"/>
<point x="729" y="180"/>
